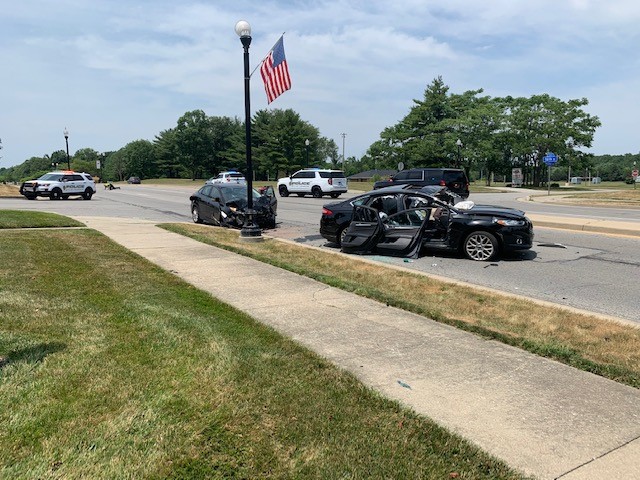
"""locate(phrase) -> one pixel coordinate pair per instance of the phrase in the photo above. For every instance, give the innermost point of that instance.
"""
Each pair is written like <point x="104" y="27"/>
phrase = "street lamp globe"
<point x="243" y="29"/>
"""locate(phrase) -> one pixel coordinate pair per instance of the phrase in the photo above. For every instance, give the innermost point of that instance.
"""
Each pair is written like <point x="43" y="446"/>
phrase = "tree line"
<point x="484" y="135"/>
<point x="200" y="146"/>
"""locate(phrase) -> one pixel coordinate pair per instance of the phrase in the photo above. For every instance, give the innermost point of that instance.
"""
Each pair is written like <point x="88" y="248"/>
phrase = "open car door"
<point x="402" y="233"/>
<point x="363" y="232"/>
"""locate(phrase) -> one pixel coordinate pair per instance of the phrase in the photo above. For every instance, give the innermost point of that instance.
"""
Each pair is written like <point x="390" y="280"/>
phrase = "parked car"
<point x="60" y="185"/>
<point x="228" y="177"/>
<point x="225" y="204"/>
<point x="401" y="220"/>
<point x="134" y="180"/>
<point x="314" y="181"/>
<point x="453" y="178"/>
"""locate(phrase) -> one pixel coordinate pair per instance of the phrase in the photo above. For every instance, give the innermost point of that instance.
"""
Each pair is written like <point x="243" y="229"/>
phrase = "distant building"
<point x="369" y="175"/>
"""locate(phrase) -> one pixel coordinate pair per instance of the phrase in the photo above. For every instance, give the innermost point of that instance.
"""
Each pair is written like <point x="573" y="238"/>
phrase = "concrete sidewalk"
<point x="542" y="417"/>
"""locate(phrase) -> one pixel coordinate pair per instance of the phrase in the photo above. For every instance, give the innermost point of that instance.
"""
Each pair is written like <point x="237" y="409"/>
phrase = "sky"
<point x="116" y="71"/>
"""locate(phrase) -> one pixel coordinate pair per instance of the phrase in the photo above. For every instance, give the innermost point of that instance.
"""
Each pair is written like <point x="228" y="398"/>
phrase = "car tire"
<point x="283" y="191"/>
<point x="56" y="194"/>
<point x="480" y="246"/>
<point x="316" y="192"/>
<point x="334" y="195"/>
<point x="195" y="214"/>
<point x="342" y="233"/>
<point x="88" y="193"/>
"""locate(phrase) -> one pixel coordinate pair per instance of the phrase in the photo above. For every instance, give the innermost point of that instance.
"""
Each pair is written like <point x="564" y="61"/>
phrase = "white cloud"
<point x="115" y="71"/>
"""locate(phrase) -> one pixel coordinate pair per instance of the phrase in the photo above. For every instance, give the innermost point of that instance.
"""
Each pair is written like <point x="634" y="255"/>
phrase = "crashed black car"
<point x="226" y="204"/>
<point x="401" y="221"/>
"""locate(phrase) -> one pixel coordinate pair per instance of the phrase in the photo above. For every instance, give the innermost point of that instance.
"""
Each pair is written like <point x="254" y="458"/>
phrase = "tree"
<point x="541" y="124"/>
<point x="194" y="142"/>
<point x="84" y="160"/>
<point x="279" y="141"/>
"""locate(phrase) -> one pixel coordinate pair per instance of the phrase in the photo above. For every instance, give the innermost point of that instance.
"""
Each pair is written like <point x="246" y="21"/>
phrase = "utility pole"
<point x="343" y="135"/>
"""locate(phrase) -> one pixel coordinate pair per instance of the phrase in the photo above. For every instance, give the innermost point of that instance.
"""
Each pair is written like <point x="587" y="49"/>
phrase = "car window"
<point x="414" y="201"/>
<point x="215" y="192"/>
<point x="304" y="175"/>
<point x="51" y="177"/>
<point x="401" y="175"/>
<point x="76" y="177"/>
<point x="387" y="204"/>
<point x="337" y="175"/>
<point x="236" y="175"/>
<point x="407" y="218"/>
<point x="454" y="176"/>
<point x="414" y="175"/>
<point x="365" y="215"/>
<point x="206" y="190"/>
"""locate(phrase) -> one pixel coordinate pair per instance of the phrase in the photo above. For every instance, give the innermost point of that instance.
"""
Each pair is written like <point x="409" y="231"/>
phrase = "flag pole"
<point x="265" y="57"/>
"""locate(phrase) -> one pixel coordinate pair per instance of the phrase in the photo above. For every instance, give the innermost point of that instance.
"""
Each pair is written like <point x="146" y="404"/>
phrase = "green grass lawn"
<point x="113" y="368"/>
<point x="20" y="219"/>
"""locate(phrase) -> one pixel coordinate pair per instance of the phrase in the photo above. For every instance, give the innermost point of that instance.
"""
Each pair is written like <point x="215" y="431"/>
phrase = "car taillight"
<point x="326" y="211"/>
<point x="331" y="181"/>
<point x="443" y="183"/>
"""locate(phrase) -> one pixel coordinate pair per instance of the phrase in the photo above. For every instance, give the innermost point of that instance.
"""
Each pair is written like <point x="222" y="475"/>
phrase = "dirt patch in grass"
<point x="9" y="190"/>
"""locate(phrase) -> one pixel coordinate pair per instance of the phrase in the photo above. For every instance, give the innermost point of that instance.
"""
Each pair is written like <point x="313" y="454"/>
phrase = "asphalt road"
<point x="597" y="273"/>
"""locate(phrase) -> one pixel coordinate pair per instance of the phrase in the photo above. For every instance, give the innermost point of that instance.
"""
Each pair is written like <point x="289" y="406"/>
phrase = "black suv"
<point x="453" y="178"/>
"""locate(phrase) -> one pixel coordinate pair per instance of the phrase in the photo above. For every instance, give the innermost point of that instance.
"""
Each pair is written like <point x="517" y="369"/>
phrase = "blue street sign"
<point x="550" y="159"/>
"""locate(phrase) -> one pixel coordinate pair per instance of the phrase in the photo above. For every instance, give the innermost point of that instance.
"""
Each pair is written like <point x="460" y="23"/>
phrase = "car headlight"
<point x="508" y="222"/>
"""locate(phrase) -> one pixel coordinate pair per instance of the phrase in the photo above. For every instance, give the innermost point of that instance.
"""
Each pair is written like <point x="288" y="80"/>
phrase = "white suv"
<point x="228" y="177"/>
<point x="314" y="181"/>
<point x="60" y="185"/>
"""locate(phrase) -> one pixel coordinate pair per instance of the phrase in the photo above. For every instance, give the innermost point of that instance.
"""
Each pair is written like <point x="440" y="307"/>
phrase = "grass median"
<point x="593" y="344"/>
<point x="113" y="368"/>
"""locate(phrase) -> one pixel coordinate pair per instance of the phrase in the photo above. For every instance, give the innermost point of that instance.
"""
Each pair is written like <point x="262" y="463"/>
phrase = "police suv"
<point x="60" y="185"/>
<point x="314" y="181"/>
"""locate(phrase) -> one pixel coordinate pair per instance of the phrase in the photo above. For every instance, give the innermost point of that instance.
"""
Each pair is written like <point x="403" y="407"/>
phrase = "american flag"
<point x="275" y="72"/>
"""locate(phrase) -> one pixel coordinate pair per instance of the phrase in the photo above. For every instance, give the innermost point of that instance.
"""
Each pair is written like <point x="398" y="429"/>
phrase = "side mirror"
<point x="217" y="199"/>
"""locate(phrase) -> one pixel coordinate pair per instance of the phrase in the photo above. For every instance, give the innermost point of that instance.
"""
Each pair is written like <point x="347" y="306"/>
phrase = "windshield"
<point x="51" y="176"/>
<point x="237" y="194"/>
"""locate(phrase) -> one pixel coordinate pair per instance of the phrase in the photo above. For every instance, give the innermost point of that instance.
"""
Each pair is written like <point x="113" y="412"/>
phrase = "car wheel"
<point x="342" y="233"/>
<point x="334" y="195"/>
<point x="283" y="191"/>
<point x="195" y="214"/>
<point x="88" y="193"/>
<point x="480" y="246"/>
<point x="56" y="194"/>
<point x="316" y="192"/>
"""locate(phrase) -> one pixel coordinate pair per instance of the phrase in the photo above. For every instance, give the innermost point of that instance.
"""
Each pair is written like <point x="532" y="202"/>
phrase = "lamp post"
<point x="306" y="145"/>
<point x="66" y="140"/>
<point x="249" y="231"/>
<point x="459" y="144"/>
<point x="343" y="135"/>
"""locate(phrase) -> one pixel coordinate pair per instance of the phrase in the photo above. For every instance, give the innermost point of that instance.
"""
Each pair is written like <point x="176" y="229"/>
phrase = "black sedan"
<point x="402" y="220"/>
<point x="225" y="204"/>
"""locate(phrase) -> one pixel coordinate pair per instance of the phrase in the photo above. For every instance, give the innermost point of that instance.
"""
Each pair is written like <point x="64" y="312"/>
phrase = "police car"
<point x="228" y="177"/>
<point x="314" y="181"/>
<point x="60" y="185"/>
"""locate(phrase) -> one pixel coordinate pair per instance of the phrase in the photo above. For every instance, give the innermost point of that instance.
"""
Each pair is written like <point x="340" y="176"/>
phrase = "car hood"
<point x="494" y="210"/>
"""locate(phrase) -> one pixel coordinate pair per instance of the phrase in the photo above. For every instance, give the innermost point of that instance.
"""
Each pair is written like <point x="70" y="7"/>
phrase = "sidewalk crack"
<point x="598" y="457"/>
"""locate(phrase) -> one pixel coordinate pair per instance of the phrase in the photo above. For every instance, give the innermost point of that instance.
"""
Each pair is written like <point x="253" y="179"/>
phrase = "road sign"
<point x="550" y="159"/>
<point x="634" y="174"/>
